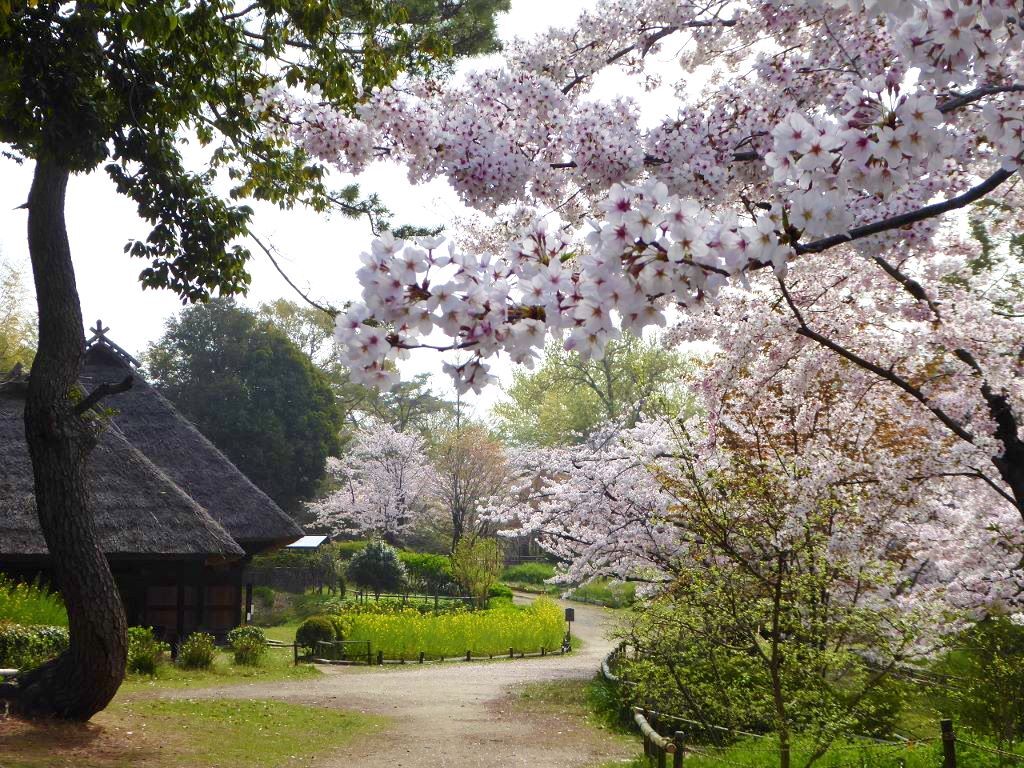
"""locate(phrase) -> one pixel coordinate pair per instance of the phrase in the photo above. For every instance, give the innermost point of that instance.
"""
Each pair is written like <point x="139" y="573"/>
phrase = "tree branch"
<point x="104" y="390"/>
<point x="896" y="222"/>
<point x="331" y="311"/>
<point x="964" y="99"/>
<point x="649" y="43"/>
<point x="890" y="376"/>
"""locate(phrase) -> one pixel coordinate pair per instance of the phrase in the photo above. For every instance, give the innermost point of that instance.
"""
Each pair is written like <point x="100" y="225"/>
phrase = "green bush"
<point x="313" y="630"/>
<point x="23" y="647"/>
<point x="145" y="652"/>
<point x="377" y="568"/>
<point x="197" y="652"/>
<point x="248" y="644"/>
<point x="428" y="574"/>
<point x="988" y="670"/>
<point x="499" y="592"/>
<point x="264" y="596"/>
<point x="30" y="604"/>
<point x="346" y="550"/>
<point x="528" y="573"/>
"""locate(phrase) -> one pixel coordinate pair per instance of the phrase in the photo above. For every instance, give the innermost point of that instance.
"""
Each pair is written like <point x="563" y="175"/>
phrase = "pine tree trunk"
<point x="84" y="679"/>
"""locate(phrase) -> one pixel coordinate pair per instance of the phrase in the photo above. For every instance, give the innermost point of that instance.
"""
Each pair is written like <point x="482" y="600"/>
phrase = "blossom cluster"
<point x="383" y="479"/>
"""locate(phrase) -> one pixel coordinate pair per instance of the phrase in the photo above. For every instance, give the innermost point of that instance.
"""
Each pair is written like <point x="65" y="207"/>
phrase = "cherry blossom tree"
<point x="385" y="481"/>
<point x="809" y="138"/>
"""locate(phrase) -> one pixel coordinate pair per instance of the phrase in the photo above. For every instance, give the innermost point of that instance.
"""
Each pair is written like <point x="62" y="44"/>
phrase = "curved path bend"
<point x="458" y="714"/>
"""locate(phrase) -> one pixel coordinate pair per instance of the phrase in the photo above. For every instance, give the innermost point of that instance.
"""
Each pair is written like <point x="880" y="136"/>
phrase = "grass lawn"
<point x="276" y="664"/>
<point x="222" y="733"/>
<point x="284" y="633"/>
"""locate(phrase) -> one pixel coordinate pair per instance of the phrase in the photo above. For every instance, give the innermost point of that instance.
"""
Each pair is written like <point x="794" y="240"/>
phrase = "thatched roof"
<point x="139" y="510"/>
<point x="165" y="437"/>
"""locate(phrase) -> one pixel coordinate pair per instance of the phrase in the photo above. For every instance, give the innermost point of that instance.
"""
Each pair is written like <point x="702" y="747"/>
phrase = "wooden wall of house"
<point x="175" y="597"/>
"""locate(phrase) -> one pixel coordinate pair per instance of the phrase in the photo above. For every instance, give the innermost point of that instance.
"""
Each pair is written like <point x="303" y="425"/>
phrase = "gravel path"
<point x="461" y="715"/>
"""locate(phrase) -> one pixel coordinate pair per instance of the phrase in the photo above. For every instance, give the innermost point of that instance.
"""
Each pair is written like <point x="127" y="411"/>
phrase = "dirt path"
<point x="458" y="715"/>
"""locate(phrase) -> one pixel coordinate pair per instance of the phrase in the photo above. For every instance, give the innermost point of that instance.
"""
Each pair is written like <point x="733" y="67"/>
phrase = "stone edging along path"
<point x="463" y="715"/>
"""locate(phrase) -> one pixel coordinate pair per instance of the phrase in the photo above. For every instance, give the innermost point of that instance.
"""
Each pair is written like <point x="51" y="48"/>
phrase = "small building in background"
<point x="308" y="543"/>
<point x="177" y="520"/>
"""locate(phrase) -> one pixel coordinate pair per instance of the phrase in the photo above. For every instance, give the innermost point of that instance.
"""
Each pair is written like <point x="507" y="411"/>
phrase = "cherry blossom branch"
<point x="977" y="94"/>
<point x="887" y="374"/>
<point x="649" y="43"/>
<point x="921" y="214"/>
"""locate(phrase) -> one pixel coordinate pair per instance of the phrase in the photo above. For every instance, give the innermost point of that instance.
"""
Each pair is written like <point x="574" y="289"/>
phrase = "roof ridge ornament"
<point x="99" y="338"/>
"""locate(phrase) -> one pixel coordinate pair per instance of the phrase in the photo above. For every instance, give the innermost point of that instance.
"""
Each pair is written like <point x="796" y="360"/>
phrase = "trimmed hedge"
<point x="313" y="630"/>
<point x="24" y="647"/>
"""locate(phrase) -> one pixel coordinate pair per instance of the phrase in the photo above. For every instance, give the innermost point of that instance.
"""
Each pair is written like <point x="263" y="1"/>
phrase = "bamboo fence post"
<point x="380" y="658"/>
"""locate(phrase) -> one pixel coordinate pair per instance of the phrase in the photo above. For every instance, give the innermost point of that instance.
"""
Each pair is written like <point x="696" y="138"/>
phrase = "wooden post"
<point x="421" y="657"/>
<point x="295" y="653"/>
<point x="469" y="656"/>
<point x="380" y="658"/>
<point x="542" y="651"/>
<point x="948" y="744"/>
<point x="679" y="739"/>
<point x="511" y="653"/>
<point x="662" y="756"/>
<point x="647" y="740"/>
<point x="369" y="654"/>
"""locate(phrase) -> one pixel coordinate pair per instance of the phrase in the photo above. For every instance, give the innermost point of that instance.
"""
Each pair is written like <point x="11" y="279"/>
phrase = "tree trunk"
<point x="83" y="680"/>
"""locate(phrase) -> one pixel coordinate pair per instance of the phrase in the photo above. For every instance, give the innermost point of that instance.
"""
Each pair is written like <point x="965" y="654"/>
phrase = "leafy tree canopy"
<point x="567" y="397"/>
<point x="17" y="323"/>
<point x="120" y="84"/>
<point x="253" y="393"/>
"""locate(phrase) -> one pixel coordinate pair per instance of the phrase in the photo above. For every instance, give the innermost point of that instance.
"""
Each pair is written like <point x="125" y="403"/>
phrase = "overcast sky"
<point x="319" y="252"/>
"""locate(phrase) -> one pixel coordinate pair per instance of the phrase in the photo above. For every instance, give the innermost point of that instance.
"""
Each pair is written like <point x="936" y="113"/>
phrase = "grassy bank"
<point x="225" y="733"/>
<point x="276" y="664"/>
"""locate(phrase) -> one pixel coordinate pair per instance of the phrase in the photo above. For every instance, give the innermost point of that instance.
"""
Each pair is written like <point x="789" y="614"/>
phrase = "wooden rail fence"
<point x="661" y="748"/>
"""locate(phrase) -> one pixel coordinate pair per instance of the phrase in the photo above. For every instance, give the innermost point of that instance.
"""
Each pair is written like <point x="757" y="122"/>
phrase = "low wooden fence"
<point x="411" y="599"/>
<point x="665" y="736"/>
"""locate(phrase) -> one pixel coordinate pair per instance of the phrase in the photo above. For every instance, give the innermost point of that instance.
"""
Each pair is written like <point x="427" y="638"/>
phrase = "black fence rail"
<point x="412" y="599"/>
<point x="361" y="652"/>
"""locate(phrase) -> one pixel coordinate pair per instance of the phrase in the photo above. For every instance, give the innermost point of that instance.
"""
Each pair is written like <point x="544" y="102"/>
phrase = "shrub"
<point x="476" y="565"/>
<point x="429" y="574"/>
<point x="313" y="630"/>
<point x="264" y="596"/>
<point x="145" y="652"/>
<point x="529" y="573"/>
<point x="197" y="652"/>
<point x="377" y="567"/>
<point x="499" y="593"/>
<point x="248" y="644"/>
<point x="30" y="604"/>
<point x="988" y="664"/>
<point x="24" y="647"/>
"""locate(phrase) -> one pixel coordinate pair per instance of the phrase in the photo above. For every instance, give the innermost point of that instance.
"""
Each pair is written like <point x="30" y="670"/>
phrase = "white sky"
<point x="319" y="253"/>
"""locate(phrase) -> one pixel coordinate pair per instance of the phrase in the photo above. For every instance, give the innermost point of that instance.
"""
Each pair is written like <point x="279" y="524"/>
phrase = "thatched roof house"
<point x="177" y="519"/>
